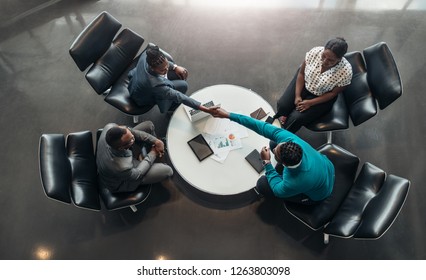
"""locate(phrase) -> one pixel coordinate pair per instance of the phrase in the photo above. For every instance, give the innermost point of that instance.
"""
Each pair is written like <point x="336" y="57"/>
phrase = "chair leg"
<point x="133" y="207"/>
<point x="135" y="119"/>
<point x="329" y="137"/>
<point x="326" y="238"/>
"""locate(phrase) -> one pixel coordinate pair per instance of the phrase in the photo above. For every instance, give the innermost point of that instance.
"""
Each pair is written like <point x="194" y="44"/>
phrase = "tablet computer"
<point x="200" y="147"/>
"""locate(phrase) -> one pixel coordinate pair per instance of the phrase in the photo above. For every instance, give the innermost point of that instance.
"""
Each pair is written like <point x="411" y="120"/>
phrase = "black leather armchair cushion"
<point x="114" y="201"/>
<point x="94" y="40"/>
<point x="383" y="209"/>
<point x="117" y="58"/>
<point x="371" y="206"/>
<point x="336" y="119"/>
<point x="66" y="169"/>
<point x="349" y="216"/>
<point x="346" y="165"/>
<point x="55" y="169"/>
<point x="359" y="99"/>
<point x="84" y="185"/>
<point x="383" y="75"/>
<point x="119" y="95"/>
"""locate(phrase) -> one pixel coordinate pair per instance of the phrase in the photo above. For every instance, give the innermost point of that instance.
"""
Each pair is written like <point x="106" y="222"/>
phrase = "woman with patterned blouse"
<point x="312" y="92"/>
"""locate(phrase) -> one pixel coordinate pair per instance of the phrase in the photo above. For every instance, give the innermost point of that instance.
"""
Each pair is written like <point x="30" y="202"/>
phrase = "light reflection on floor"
<point x="305" y="4"/>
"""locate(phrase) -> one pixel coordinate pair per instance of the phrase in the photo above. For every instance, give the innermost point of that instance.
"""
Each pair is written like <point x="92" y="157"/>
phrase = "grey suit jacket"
<point x="118" y="170"/>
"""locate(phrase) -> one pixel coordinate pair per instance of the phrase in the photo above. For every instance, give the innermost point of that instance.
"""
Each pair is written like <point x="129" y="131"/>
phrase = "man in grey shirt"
<point x="120" y="170"/>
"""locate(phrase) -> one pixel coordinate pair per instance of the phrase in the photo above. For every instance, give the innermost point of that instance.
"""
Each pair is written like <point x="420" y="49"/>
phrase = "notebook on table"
<point x="258" y="114"/>
<point x="255" y="161"/>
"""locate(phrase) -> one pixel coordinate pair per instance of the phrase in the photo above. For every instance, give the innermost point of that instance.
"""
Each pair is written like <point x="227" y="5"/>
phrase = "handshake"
<point x="216" y="111"/>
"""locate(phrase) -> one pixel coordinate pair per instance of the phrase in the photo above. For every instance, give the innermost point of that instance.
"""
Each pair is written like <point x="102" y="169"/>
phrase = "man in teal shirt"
<point x="308" y="176"/>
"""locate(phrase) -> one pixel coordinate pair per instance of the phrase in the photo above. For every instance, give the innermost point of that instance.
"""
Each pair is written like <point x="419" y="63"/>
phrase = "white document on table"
<point x="220" y="146"/>
<point x="223" y="136"/>
<point x="217" y="126"/>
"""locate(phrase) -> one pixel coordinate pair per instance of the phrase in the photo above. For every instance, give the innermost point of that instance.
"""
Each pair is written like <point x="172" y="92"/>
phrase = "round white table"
<point x="235" y="175"/>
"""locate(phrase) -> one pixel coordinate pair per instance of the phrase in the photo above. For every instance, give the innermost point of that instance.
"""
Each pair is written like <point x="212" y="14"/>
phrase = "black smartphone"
<point x="269" y="119"/>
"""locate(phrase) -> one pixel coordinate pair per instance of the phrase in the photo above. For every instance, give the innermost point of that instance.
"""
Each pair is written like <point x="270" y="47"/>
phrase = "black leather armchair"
<point x="362" y="208"/>
<point x="375" y="81"/>
<point x="68" y="174"/>
<point x="346" y="166"/>
<point x="111" y="57"/>
<point x="371" y="206"/>
<point x="383" y="75"/>
<point x="68" y="171"/>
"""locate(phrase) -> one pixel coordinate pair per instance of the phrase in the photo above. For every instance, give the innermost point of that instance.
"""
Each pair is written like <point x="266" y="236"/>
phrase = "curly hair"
<point x="154" y="56"/>
<point x="290" y="153"/>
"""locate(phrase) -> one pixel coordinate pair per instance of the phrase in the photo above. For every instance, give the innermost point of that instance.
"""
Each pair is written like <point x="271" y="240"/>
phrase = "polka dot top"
<point x="319" y="83"/>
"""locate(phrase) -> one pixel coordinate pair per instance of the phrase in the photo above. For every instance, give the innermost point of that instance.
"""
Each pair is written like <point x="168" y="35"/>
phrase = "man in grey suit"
<point x="120" y="168"/>
<point x="157" y="81"/>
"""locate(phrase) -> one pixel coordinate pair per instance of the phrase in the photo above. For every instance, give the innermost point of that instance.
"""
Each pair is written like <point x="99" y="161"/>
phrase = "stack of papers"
<point x="223" y="136"/>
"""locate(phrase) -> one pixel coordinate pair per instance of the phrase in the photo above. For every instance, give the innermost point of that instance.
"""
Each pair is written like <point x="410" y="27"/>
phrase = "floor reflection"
<point x="304" y="4"/>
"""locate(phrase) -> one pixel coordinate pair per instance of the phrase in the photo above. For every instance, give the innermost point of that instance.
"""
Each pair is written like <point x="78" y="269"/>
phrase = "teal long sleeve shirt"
<point x="314" y="177"/>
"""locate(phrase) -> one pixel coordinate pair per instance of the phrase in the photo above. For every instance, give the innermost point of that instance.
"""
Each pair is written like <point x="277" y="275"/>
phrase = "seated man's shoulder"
<point x="108" y="126"/>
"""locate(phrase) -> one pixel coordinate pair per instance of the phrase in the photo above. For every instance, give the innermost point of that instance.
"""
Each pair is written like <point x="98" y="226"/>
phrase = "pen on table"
<point x="258" y="112"/>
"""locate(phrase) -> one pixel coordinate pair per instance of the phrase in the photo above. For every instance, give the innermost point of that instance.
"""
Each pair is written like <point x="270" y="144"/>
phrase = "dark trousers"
<point x="262" y="185"/>
<point x="295" y="119"/>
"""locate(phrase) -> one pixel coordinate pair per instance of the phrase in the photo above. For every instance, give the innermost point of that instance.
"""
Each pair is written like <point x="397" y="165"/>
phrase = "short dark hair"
<point x="338" y="46"/>
<point x="113" y="136"/>
<point x="154" y="56"/>
<point x="290" y="153"/>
